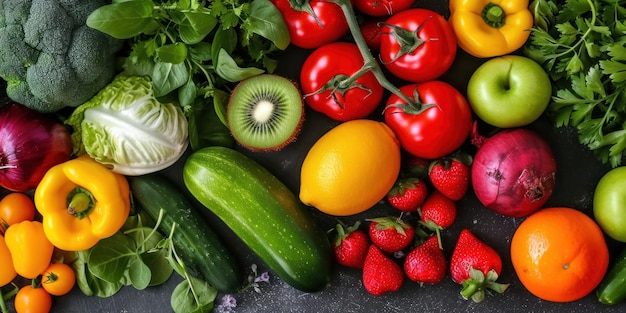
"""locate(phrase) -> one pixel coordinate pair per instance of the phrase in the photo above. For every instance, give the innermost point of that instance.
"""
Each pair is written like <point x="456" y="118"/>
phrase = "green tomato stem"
<point x="370" y="63"/>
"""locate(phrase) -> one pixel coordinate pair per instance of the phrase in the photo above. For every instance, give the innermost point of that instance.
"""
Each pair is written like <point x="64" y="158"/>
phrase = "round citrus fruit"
<point x="559" y="254"/>
<point x="350" y="168"/>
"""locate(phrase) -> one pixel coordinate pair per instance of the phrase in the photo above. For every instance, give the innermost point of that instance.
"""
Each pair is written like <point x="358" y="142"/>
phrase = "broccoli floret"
<point x="49" y="57"/>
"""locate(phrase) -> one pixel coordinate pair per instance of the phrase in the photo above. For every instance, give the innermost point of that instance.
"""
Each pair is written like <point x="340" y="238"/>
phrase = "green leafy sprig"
<point x="581" y="44"/>
<point x="196" y="50"/>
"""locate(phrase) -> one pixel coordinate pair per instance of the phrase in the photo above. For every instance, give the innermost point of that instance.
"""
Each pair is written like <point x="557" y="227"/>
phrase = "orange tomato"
<point x="32" y="300"/>
<point x="58" y="279"/>
<point x="559" y="254"/>
<point x="7" y="270"/>
<point x="14" y="208"/>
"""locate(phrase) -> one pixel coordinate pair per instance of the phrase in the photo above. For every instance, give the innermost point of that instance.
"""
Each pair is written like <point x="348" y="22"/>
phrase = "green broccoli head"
<point x="49" y="57"/>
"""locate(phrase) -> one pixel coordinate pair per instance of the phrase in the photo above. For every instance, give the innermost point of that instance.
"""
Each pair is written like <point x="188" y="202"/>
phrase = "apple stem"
<point x="494" y="15"/>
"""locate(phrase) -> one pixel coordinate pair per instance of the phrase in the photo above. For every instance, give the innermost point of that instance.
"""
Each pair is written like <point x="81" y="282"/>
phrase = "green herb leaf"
<point x="109" y="258"/>
<point x="175" y="53"/>
<point x="123" y="20"/>
<point x="196" y="26"/>
<point x="266" y="20"/>
<point x="193" y="295"/>
<point x="228" y="69"/>
<point x="139" y="273"/>
<point x="166" y="77"/>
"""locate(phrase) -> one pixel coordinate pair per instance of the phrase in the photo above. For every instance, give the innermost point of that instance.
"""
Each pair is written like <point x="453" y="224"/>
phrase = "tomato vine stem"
<point x="370" y="63"/>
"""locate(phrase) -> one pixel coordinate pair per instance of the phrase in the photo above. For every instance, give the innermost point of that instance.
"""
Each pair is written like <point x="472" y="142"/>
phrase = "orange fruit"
<point x="559" y="254"/>
<point x="350" y="168"/>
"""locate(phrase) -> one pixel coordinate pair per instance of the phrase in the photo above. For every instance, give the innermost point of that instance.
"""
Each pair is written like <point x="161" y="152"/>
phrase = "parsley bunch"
<point x="581" y="44"/>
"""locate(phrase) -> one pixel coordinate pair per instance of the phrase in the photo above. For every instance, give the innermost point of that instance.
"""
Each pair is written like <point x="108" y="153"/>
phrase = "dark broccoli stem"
<point x="370" y="63"/>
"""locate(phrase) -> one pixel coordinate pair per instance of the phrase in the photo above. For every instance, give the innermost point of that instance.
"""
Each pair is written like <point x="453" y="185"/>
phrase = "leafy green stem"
<point x="594" y="16"/>
<point x="370" y="64"/>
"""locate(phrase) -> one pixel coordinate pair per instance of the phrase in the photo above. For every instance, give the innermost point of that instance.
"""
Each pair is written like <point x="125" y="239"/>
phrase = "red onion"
<point x="513" y="172"/>
<point x="30" y="144"/>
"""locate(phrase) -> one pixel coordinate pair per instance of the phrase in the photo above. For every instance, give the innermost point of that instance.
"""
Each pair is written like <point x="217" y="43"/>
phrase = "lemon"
<point x="350" y="168"/>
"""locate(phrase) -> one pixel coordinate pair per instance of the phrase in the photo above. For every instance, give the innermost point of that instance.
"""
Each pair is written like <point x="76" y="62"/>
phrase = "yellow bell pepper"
<point x="81" y="201"/>
<point x="31" y="251"/>
<point x="487" y="28"/>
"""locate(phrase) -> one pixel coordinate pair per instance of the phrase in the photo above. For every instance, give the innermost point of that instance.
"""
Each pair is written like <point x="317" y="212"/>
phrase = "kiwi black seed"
<point x="265" y="112"/>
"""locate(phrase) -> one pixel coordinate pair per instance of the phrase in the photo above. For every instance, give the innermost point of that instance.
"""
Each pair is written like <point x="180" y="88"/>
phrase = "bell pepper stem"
<point x="369" y="61"/>
<point x="494" y="15"/>
<point x="80" y="202"/>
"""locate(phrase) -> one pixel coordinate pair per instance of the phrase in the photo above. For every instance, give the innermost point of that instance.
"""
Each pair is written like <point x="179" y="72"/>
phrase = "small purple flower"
<point x="229" y="301"/>
<point x="263" y="278"/>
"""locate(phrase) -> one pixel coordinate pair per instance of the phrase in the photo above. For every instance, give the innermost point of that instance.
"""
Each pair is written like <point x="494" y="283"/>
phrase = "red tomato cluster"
<point x="344" y="80"/>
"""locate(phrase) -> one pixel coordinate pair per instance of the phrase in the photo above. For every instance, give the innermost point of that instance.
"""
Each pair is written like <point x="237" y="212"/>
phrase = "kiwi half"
<point x="265" y="112"/>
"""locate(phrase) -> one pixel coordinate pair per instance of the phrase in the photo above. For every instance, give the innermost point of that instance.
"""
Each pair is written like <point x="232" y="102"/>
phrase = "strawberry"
<point x="437" y="213"/>
<point x="391" y="234"/>
<point x="451" y="175"/>
<point x="350" y="245"/>
<point x="381" y="274"/>
<point x="476" y="266"/>
<point x="407" y="194"/>
<point x="414" y="166"/>
<point x="426" y="263"/>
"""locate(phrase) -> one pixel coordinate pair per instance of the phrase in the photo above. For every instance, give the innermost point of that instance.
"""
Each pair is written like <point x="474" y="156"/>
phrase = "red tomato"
<point x="14" y="208"/>
<point x="370" y="29"/>
<point x="437" y="130"/>
<point x="339" y="60"/>
<point x="308" y="32"/>
<point x="382" y="7"/>
<point x="417" y="45"/>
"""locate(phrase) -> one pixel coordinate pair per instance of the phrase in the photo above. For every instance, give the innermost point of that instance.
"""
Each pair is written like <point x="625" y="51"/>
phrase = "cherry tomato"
<point x="371" y="31"/>
<point x="342" y="103"/>
<point x="32" y="300"/>
<point x="308" y="32"/>
<point x="58" y="279"/>
<point x="14" y="208"/>
<point x="382" y="7"/>
<point x="439" y="129"/>
<point x="417" y="45"/>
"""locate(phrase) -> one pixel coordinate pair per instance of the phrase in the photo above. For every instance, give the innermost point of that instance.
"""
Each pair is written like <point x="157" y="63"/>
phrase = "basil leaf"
<point x="193" y="296"/>
<point x="123" y="20"/>
<point x="267" y="21"/>
<point x="110" y="257"/>
<point x="173" y="53"/>
<point x="196" y="26"/>
<point x="166" y="77"/>
<point x="228" y="69"/>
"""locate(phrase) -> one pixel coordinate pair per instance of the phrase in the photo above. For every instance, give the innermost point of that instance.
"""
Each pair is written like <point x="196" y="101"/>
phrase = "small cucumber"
<point x="195" y="242"/>
<point x="612" y="289"/>
<point x="263" y="213"/>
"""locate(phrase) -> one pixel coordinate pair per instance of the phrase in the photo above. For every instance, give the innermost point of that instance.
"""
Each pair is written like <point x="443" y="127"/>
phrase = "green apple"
<point x="509" y="91"/>
<point x="609" y="203"/>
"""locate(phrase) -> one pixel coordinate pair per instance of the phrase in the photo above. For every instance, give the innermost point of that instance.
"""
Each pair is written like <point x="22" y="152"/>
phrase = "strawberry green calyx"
<point x="475" y="287"/>
<point x="388" y="222"/>
<point x="343" y="231"/>
<point x="402" y="185"/>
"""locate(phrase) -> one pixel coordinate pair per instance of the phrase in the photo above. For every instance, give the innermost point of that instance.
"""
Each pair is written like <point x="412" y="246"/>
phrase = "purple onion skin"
<point x="513" y="172"/>
<point x="30" y="144"/>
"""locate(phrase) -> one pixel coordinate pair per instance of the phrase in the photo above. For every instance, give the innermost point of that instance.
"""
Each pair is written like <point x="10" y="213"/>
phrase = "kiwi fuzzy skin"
<point x="292" y="137"/>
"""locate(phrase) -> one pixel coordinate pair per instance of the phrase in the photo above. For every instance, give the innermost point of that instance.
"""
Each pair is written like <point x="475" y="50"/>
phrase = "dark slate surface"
<point x="578" y="172"/>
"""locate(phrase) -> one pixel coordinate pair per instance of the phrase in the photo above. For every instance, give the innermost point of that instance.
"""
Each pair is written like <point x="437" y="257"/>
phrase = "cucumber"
<point x="263" y="213"/>
<point x="195" y="242"/>
<point x="612" y="289"/>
